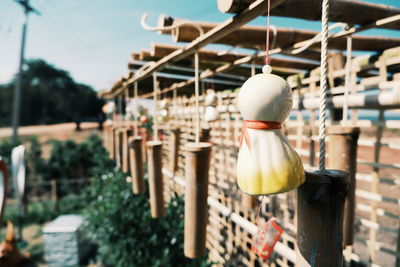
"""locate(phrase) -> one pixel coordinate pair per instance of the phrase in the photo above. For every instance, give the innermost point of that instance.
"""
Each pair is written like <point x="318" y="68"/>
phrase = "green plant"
<point x="69" y="159"/>
<point x="6" y="146"/>
<point x="120" y="223"/>
<point x="43" y="211"/>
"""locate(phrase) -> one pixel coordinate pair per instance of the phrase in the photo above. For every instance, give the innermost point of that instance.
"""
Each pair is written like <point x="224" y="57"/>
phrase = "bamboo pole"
<point x="154" y="150"/>
<point x="340" y="10"/>
<point x="136" y="164"/>
<point x="196" y="192"/>
<point x="125" y="150"/>
<point x="254" y="37"/>
<point x="249" y="202"/>
<point x="112" y="142"/>
<point x="343" y="156"/>
<point x="174" y="149"/>
<point x="320" y="204"/>
<point x="205" y="135"/>
<point x="162" y="50"/>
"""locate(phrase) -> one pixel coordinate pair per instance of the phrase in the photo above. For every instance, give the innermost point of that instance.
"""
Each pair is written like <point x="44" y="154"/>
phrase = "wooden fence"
<point x="232" y="215"/>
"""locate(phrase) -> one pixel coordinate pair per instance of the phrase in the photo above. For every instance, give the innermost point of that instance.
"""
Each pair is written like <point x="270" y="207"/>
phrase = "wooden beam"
<point x="350" y="11"/>
<point x="162" y="50"/>
<point x="223" y="29"/>
<point x="253" y="37"/>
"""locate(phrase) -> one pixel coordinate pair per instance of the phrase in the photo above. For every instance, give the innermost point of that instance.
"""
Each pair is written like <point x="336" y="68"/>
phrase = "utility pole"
<point x="17" y="93"/>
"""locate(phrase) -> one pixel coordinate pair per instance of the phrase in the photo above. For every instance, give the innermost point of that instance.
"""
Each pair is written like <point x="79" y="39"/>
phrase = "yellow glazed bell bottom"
<point x="270" y="166"/>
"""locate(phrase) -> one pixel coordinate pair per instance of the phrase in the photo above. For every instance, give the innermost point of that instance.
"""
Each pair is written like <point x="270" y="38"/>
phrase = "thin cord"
<point x="196" y="88"/>
<point x="155" y="88"/>
<point x="347" y="80"/>
<point x="135" y="115"/>
<point x="267" y="58"/>
<point x="323" y="83"/>
<point x="259" y="208"/>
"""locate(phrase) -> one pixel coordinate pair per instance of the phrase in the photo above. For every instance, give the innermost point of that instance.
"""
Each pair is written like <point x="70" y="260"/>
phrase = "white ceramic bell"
<point x="267" y="164"/>
<point x="211" y="114"/>
<point x="211" y="98"/>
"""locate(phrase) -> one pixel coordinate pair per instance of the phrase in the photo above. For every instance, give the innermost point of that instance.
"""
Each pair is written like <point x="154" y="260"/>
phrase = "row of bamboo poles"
<point x="322" y="197"/>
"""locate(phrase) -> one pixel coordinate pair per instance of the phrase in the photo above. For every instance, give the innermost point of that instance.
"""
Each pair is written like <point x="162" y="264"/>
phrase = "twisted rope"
<point x="323" y="83"/>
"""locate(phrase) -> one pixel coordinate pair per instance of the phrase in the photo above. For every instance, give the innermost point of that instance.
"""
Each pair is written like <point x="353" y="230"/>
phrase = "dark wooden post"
<point x="174" y="149"/>
<point x="343" y="156"/>
<point x="136" y="164"/>
<point x="205" y="135"/>
<point x="320" y="204"/>
<point x="154" y="149"/>
<point x="197" y="164"/>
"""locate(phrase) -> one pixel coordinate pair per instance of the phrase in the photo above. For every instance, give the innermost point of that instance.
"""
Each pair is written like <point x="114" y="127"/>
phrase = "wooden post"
<point x="117" y="146"/>
<point x="320" y="204"/>
<point x="112" y="142"/>
<point x="174" y="149"/>
<point x="343" y="156"/>
<point x="125" y="150"/>
<point x="197" y="164"/>
<point x="205" y="135"/>
<point x="136" y="164"/>
<point x="154" y="149"/>
<point x="312" y="147"/>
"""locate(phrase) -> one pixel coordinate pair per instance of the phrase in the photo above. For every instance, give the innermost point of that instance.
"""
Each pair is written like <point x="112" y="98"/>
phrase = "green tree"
<point x="49" y="95"/>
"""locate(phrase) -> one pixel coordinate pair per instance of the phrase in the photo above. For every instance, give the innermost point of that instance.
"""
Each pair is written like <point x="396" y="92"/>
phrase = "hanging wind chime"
<point x="135" y="150"/>
<point x="267" y="164"/>
<point x="154" y="155"/>
<point x="197" y="164"/>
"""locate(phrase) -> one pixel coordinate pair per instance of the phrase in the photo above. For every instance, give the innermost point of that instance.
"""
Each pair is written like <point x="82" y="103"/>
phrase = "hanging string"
<point x="155" y="120"/>
<point x="267" y="58"/>
<point x="196" y="88"/>
<point x="323" y="82"/>
<point x="259" y="209"/>
<point x="136" y="110"/>
<point x="347" y="80"/>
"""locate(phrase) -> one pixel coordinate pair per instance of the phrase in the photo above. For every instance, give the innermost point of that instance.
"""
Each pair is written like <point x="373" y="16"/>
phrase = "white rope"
<point x="347" y="80"/>
<point x="135" y="115"/>
<point x="196" y="88"/>
<point x="323" y="82"/>
<point x="155" y="120"/>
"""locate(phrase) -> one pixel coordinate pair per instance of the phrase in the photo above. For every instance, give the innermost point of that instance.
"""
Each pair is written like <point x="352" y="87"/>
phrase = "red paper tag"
<point x="266" y="238"/>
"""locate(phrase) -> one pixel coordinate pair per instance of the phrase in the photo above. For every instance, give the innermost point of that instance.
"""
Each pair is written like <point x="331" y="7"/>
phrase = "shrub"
<point x="120" y="223"/>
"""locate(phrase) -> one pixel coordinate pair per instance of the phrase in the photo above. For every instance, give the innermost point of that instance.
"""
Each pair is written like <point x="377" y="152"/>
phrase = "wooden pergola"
<point x="295" y="56"/>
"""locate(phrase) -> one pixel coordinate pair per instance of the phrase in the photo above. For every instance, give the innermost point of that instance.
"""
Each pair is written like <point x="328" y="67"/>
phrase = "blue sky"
<point x="93" y="39"/>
